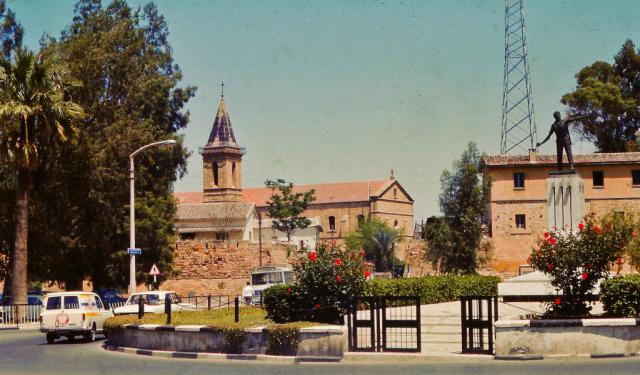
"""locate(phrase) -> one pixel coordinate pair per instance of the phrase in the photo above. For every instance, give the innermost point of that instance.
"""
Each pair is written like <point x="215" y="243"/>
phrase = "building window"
<point x="233" y="175"/>
<point x="360" y="219"/>
<point x="222" y="236"/>
<point x="518" y="180"/>
<point x="187" y="236"/>
<point x="395" y="193"/>
<point x="598" y="179"/>
<point x="635" y="176"/>
<point x="215" y="174"/>
<point x="521" y="221"/>
<point x="395" y="223"/>
<point x="332" y="223"/>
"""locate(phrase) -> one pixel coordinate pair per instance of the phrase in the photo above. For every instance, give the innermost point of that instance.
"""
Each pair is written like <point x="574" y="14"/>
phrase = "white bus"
<point x="264" y="277"/>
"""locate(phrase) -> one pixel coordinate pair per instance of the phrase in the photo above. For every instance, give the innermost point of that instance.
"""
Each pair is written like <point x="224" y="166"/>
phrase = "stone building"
<point x="518" y="204"/>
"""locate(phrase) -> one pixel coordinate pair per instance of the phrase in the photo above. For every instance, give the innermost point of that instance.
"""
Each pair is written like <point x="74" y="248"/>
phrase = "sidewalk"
<point x="21" y="327"/>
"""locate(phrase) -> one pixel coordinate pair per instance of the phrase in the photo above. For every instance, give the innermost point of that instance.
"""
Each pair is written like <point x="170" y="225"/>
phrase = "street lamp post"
<point x="132" y="211"/>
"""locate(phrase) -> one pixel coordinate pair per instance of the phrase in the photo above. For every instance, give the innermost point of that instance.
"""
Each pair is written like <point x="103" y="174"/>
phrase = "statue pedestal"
<point x="565" y="200"/>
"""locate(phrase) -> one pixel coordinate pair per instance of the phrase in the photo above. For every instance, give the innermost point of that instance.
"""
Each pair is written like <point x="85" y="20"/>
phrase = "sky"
<point x="332" y="91"/>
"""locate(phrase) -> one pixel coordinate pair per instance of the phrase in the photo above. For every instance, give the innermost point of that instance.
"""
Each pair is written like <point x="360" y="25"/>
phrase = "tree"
<point x="285" y="207"/>
<point x="131" y="94"/>
<point x="455" y="241"/>
<point x="11" y="31"/>
<point x="225" y="216"/>
<point x="610" y="96"/>
<point x="377" y="239"/>
<point x="34" y="118"/>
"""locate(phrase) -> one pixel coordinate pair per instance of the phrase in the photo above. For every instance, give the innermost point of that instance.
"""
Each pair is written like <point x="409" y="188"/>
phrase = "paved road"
<point x="27" y="353"/>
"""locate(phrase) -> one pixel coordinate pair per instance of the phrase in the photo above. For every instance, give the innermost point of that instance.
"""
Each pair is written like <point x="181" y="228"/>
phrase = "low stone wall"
<point x="567" y="337"/>
<point x="315" y="342"/>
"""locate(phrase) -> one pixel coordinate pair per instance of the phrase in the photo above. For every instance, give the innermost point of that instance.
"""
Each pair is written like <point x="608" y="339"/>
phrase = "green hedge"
<point x="620" y="296"/>
<point x="435" y="289"/>
<point x="282" y="305"/>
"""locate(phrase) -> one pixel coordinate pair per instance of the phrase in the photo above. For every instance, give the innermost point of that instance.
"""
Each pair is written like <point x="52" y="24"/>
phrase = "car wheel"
<point x="91" y="335"/>
<point x="51" y="337"/>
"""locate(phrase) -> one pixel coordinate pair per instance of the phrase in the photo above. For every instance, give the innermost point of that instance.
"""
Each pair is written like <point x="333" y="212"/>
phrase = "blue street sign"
<point x="135" y="251"/>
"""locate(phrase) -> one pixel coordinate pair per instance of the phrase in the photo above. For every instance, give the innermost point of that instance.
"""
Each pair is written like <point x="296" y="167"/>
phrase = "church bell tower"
<point x="222" y="160"/>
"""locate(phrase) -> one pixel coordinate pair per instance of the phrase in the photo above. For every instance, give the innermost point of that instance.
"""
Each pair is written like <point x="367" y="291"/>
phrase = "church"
<point x="225" y="211"/>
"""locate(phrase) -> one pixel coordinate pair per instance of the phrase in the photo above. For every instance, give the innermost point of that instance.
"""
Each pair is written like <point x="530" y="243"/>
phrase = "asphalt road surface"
<point x="27" y="353"/>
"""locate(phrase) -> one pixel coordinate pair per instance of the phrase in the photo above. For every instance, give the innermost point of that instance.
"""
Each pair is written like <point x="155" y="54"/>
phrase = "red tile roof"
<point x="358" y="191"/>
<point x="579" y="159"/>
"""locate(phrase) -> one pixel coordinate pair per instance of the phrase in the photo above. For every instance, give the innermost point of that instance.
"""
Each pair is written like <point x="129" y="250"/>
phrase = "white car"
<point x="73" y="314"/>
<point x="153" y="303"/>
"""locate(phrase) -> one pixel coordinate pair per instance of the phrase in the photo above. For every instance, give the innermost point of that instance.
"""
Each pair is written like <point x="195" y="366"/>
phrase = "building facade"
<point x="518" y="202"/>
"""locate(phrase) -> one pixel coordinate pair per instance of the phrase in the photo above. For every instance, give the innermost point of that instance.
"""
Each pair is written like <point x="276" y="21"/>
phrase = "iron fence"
<point x="388" y="323"/>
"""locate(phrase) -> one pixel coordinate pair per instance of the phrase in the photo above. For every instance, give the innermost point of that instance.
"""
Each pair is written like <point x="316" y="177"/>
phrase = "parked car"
<point x="7" y="310"/>
<point x="73" y="314"/>
<point x="111" y="297"/>
<point x="32" y="299"/>
<point x="153" y="303"/>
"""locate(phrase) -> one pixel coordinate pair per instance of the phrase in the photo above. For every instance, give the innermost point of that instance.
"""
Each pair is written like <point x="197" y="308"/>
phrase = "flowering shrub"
<point x="325" y="279"/>
<point x="576" y="261"/>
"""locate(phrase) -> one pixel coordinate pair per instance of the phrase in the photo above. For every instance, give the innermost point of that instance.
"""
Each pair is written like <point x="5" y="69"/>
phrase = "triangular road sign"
<point x="154" y="270"/>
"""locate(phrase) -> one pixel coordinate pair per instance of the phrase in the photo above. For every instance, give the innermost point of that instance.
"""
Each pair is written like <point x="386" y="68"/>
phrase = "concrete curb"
<point x="530" y="357"/>
<point x="219" y="356"/>
<point x="21" y="328"/>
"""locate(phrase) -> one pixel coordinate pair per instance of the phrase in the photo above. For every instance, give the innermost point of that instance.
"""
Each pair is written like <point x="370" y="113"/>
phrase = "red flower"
<point x="550" y="266"/>
<point x="313" y="255"/>
<point x="338" y="262"/>
<point x="584" y="276"/>
<point x="289" y="290"/>
<point x="552" y="241"/>
<point x="597" y="229"/>
<point x="367" y="273"/>
<point x="634" y="234"/>
<point x="619" y="261"/>
<point x="557" y="301"/>
<point x="317" y="305"/>
<point x="546" y="234"/>
<point x="338" y="278"/>
<point x="581" y="226"/>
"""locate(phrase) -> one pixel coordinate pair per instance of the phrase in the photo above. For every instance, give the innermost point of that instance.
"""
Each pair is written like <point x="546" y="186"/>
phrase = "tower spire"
<point x="222" y="94"/>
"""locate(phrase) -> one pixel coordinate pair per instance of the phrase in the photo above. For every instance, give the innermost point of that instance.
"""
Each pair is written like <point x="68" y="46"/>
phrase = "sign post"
<point x="154" y="271"/>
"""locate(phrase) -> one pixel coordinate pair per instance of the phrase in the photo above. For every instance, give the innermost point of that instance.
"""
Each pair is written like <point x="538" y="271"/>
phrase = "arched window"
<point x="395" y="223"/>
<point x="215" y="174"/>
<point x="233" y="175"/>
<point x="332" y="223"/>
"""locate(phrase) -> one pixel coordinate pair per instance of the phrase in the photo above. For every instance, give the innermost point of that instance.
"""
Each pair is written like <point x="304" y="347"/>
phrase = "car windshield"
<point x="266" y="278"/>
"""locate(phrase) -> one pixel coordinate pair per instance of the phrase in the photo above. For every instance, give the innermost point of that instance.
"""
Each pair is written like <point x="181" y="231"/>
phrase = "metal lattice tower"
<point x="518" y="123"/>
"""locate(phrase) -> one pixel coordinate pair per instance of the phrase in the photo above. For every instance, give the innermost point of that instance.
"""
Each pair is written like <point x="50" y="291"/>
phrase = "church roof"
<point x="358" y="191"/>
<point x="214" y="210"/>
<point x="222" y="131"/>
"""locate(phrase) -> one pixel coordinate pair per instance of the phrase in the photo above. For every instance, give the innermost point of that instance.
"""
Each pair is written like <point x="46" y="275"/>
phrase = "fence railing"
<point x="19" y="314"/>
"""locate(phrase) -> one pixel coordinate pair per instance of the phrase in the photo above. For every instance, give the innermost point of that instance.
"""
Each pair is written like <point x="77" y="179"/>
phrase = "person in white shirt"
<point x="247" y="294"/>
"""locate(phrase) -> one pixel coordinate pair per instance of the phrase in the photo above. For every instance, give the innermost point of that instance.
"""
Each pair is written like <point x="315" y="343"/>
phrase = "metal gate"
<point x="388" y="323"/>
<point x="478" y="314"/>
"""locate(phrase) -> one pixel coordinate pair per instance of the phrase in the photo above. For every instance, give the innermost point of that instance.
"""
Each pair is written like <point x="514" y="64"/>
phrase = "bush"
<point x="325" y="280"/>
<point x="283" y="339"/>
<point x="281" y="304"/>
<point x="620" y="296"/>
<point x="434" y="289"/>
<point x="576" y="261"/>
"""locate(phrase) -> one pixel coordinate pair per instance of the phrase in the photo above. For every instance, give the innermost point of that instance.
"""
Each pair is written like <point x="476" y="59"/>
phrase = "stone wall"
<point x="413" y="252"/>
<point x="218" y="267"/>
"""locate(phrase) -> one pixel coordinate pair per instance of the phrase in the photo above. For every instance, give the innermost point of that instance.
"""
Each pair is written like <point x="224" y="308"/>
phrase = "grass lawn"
<point x="219" y="318"/>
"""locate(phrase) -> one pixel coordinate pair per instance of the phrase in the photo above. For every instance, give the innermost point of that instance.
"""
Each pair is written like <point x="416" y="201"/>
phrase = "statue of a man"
<point x="563" y="139"/>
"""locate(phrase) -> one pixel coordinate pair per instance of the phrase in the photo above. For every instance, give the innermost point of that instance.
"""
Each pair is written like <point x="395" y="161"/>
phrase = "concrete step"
<point x="456" y="330"/>
<point x="437" y="347"/>
<point x="440" y="338"/>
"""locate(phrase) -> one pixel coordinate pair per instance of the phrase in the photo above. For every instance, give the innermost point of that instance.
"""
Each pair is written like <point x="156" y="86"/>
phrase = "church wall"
<point x="210" y="267"/>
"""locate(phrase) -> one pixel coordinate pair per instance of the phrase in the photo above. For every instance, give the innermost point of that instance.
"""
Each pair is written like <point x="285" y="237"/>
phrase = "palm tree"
<point x="35" y="116"/>
<point x="383" y="239"/>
